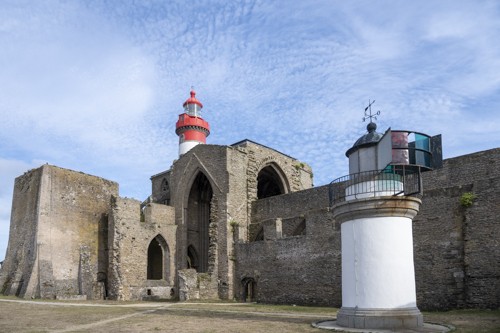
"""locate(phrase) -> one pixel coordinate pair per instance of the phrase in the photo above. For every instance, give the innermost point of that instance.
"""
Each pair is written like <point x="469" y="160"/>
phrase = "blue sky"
<point x="97" y="86"/>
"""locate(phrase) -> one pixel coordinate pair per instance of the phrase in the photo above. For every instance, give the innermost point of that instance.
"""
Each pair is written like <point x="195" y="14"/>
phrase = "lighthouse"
<point x="375" y="206"/>
<point x="191" y="128"/>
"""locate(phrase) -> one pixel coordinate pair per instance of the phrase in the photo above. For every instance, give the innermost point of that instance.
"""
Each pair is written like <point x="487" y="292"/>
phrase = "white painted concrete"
<point x="186" y="146"/>
<point x="377" y="263"/>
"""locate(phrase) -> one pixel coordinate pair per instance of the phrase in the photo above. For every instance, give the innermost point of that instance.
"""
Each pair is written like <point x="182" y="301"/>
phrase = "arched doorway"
<point x="198" y="221"/>
<point x="269" y="182"/>
<point x="158" y="259"/>
<point x="249" y="289"/>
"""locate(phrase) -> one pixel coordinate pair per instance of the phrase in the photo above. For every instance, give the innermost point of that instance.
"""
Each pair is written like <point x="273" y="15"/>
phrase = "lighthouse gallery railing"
<point x="392" y="181"/>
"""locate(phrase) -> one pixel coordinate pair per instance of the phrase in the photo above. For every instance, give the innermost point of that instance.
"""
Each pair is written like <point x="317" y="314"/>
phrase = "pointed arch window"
<point x="270" y="182"/>
<point x="198" y="222"/>
<point x="158" y="259"/>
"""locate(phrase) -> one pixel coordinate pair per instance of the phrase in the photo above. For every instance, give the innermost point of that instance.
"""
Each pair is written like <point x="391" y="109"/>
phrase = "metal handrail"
<point x="391" y="181"/>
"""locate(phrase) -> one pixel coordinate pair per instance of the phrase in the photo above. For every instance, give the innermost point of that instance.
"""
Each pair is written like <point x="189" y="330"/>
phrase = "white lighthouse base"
<point x="380" y="318"/>
<point x="378" y="277"/>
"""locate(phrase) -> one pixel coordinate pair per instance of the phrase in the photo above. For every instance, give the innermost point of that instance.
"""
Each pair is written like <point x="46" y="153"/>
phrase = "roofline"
<point x="159" y="174"/>
<point x="259" y="144"/>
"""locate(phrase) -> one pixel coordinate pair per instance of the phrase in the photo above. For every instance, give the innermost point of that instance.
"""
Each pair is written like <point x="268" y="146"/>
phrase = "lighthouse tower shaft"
<point x="191" y="128"/>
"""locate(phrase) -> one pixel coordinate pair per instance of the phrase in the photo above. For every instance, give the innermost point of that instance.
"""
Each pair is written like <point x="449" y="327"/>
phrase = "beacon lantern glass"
<point x="193" y="110"/>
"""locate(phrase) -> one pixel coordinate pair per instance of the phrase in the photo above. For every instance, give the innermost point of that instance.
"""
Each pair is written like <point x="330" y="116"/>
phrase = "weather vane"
<point x="369" y="114"/>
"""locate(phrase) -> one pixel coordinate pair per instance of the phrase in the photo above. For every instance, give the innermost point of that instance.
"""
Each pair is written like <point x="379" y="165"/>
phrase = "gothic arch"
<point x="158" y="266"/>
<point x="271" y="181"/>
<point x="198" y="211"/>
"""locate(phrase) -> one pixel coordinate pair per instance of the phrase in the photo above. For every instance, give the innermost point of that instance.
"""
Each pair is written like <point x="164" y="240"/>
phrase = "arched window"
<point x="198" y="221"/>
<point x="158" y="259"/>
<point x="269" y="183"/>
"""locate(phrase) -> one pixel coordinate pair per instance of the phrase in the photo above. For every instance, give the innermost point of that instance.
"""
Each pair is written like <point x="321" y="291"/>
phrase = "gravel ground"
<point x="56" y="316"/>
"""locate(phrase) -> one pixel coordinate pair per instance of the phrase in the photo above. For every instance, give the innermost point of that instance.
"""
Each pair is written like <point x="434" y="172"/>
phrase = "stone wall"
<point x="211" y="161"/>
<point x="289" y="269"/>
<point x="232" y="172"/>
<point x="129" y="238"/>
<point x="20" y="260"/>
<point x="57" y="217"/>
<point x="457" y="249"/>
<point x="71" y="235"/>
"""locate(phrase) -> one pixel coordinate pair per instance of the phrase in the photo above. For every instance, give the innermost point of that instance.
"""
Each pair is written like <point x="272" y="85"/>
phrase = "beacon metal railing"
<point x="391" y="181"/>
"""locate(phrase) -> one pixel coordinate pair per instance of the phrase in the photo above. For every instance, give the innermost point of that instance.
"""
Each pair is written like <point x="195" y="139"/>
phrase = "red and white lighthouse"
<point x="191" y="128"/>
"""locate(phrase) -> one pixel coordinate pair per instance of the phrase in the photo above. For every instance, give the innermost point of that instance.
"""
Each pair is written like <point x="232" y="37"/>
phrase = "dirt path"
<point x="112" y="317"/>
<point x="96" y="324"/>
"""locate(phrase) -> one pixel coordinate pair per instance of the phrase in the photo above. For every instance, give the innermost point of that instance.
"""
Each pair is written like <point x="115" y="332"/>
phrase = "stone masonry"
<point x="54" y="249"/>
<point x="239" y="222"/>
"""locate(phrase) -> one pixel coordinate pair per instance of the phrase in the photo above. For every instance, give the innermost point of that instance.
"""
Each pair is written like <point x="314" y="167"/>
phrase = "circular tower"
<point x="191" y="128"/>
<point x="375" y="212"/>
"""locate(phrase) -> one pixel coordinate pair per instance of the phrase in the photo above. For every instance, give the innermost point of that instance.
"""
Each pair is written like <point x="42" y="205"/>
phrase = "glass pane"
<point x="422" y="142"/>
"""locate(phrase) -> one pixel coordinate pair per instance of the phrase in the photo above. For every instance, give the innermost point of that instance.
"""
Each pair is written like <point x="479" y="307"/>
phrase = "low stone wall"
<point x="456" y="248"/>
<point x="302" y="269"/>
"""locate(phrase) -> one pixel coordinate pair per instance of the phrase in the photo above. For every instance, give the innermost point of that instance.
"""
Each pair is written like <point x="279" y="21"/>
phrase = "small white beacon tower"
<point x="375" y="205"/>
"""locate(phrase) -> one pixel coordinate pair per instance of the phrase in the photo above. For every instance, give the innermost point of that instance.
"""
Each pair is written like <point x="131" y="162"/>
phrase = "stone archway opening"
<point x="249" y="289"/>
<point x="269" y="183"/>
<point x="198" y="222"/>
<point x="158" y="259"/>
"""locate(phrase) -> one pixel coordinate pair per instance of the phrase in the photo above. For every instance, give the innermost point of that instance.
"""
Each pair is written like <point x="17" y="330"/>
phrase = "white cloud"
<point x="97" y="86"/>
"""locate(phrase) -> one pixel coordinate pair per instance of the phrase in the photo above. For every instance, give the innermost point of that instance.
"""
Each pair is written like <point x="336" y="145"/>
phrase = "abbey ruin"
<point x="241" y="222"/>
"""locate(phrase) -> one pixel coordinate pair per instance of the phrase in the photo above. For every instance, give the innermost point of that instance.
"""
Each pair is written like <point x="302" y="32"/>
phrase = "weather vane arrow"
<point x="368" y="112"/>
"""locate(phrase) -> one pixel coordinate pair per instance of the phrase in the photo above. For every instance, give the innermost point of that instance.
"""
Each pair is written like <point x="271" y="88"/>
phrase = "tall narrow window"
<point x="165" y="192"/>
<point x="198" y="221"/>
<point x="192" y="258"/>
<point x="158" y="259"/>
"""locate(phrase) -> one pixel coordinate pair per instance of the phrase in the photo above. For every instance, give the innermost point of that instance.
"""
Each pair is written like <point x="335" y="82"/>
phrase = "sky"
<point x="97" y="85"/>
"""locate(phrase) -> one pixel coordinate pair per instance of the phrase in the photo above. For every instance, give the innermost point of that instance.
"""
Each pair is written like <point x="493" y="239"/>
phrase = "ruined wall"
<point x="64" y="253"/>
<point x="130" y="235"/>
<point x="287" y="268"/>
<point x="296" y="174"/>
<point x="160" y="188"/>
<point x="20" y="259"/>
<point x="232" y="172"/>
<point x="457" y="249"/>
<point x="245" y="160"/>
<point x="211" y="161"/>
